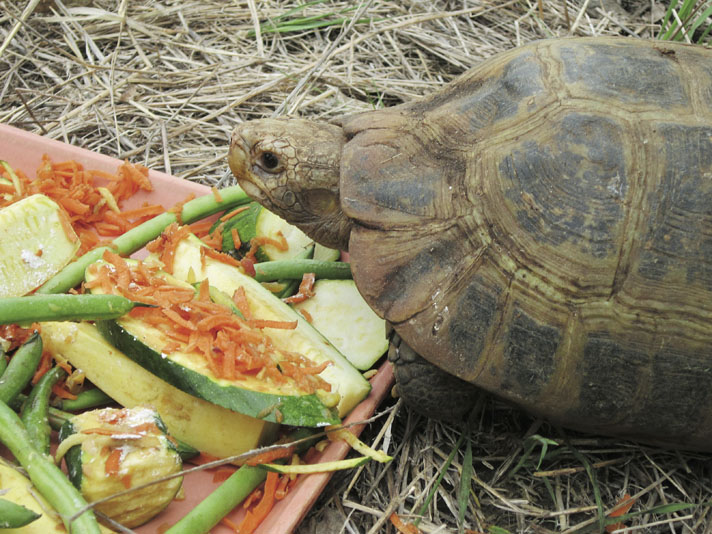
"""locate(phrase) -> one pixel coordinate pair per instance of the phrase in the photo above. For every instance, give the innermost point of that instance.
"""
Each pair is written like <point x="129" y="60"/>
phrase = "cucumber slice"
<point x="345" y="380"/>
<point x="338" y="311"/>
<point x="36" y="240"/>
<point x="258" y="222"/>
<point x="323" y="253"/>
<point x="188" y="418"/>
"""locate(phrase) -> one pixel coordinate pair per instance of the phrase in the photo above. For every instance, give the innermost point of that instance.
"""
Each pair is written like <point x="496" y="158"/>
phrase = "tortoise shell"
<point x="542" y="228"/>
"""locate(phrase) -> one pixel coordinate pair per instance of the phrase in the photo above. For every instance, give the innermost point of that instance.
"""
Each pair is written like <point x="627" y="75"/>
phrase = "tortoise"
<point x="540" y="228"/>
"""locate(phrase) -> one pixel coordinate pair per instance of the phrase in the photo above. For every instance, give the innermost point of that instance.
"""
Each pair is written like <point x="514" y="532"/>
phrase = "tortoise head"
<point x="291" y="167"/>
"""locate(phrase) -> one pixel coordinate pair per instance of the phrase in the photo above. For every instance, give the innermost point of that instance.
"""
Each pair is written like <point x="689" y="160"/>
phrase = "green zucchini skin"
<point x="15" y="515"/>
<point x="73" y="456"/>
<point x="295" y="410"/>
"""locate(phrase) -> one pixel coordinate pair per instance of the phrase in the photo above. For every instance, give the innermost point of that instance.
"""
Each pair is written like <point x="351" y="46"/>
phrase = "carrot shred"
<point x="236" y="243"/>
<point x="283" y="487"/>
<point x="44" y="366"/>
<point x="402" y="526"/>
<point x="253" y="497"/>
<point x="234" y="212"/>
<point x="216" y="194"/>
<point x="222" y="474"/>
<point x="270" y="456"/>
<point x="305" y="291"/>
<point x="224" y="258"/>
<point x="229" y="524"/>
<point x="61" y="391"/>
<point x="265" y="323"/>
<point x="624" y="505"/>
<point x="256" y="515"/>
<point x="232" y="348"/>
<point x="86" y="206"/>
<point x="113" y="463"/>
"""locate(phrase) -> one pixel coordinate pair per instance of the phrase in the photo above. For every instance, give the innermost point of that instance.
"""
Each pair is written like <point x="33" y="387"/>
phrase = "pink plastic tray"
<point x="24" y="150"/>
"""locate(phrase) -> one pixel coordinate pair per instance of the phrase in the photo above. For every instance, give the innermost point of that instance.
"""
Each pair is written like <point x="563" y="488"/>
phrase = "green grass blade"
<point x="463" y="495"/>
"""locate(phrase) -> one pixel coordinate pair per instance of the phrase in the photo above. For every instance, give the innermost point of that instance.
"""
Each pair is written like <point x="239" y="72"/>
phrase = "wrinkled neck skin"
<point x="291" y="167"/>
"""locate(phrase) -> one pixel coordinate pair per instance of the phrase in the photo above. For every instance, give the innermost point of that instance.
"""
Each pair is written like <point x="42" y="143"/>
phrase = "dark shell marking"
<point x="542" y="228"/>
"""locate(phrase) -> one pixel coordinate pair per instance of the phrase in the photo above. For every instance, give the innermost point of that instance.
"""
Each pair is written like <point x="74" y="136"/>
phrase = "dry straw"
<point x="163" y="83"/>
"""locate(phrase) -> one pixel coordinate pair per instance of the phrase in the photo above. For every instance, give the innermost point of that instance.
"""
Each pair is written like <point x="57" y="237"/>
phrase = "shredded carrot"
<point x="178" y="208"/>
<point x="224" y="258"/>
<point x="216" y="194"/>
<point x="248" y="264"/>
<point x="253" y="497"/>
<point x="229" y="524"/>
<point x="232" y="347"/>
<point x="201" y="228"/>
<point x="283" y="487"/>
<point x="403" y="527"/>
<point x="265" y="323"/>
<point x="270" y="456"/>
<point x="236" y="243"/>
<point x="256" y="515"/>
<point x="305" y="291"/>
<point x="240" y="299"/>
<point x="113" y="463"/>
<point x="234" y="212"/>
<point x="222" y="474"/>
<point x="61" y="391"/>
<point x="16" y="334"/>
<point x="624" y="505"/>
<point x="306" y="315"/>
<point x="83" y="198"/>
<point x="101" y="431"/>
<point x="44" y="366"/>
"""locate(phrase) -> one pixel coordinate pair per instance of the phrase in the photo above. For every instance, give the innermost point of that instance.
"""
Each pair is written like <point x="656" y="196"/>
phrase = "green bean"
<point x="21" y="368"/>
<point x="35" y="411"/>
<point x="49" y="480"/>
<point x="268" y="271"/>
<point x="87" y="399"/>
<point x="208" y="513"/>
<point x="137" y="237"/>
<point x="14" y="515"/>
<point x="3" y="361"/>
<point x="291" y="285"/>
<point x="63" y="307"/>
<point x="55" y="416"/>
<point x="207" y="205"/>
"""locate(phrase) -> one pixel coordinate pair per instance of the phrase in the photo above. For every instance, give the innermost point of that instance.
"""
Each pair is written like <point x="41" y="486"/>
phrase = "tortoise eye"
<point x="268" y="161"/>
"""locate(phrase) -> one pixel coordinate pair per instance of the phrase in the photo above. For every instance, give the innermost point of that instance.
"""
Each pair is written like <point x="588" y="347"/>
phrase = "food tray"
<point x="24" y="150"/>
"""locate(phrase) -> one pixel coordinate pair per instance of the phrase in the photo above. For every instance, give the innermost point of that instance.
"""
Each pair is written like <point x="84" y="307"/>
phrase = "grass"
<point x="689" y="20"/>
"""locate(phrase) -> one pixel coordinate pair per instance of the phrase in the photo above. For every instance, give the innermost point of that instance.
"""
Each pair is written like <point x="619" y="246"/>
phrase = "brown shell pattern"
<point x="542" y="227"/>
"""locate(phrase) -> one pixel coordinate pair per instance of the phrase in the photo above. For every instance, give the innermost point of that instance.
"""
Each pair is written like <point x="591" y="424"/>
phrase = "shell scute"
<point x="529" y="354"/>
<point x="624" y="75"/>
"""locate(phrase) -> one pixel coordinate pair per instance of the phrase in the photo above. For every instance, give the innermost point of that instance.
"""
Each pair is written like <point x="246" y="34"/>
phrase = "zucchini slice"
<point x="338" y="311"/>
<point x="113" y="449"/>
<point x="272" y="395"/>
<point x="258" y="222"/>
<point x="17" y="488"/>
<point x="345" y="380"/>
<point x="36" y="240"/>
<point x="207" y="427"/>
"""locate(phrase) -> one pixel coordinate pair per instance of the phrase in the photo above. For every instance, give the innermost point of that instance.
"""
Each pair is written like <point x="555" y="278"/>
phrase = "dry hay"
<point x="163" y="83"/>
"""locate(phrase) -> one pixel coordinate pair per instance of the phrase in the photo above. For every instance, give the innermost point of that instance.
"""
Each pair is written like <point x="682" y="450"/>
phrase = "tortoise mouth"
<point x="238" y="161"/>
